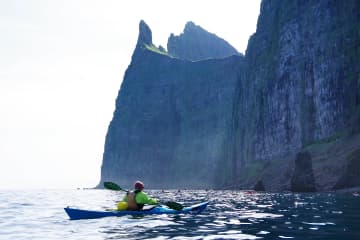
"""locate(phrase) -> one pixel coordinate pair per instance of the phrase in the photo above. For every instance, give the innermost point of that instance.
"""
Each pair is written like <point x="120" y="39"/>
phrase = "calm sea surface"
<point x="229" y="215"/>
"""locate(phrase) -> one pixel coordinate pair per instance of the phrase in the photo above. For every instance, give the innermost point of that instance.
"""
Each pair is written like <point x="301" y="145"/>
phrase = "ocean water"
<point x="230" y="215"/>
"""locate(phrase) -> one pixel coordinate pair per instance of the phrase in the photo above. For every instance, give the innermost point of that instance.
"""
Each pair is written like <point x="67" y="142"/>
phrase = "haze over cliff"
<point x="286" y="116"/>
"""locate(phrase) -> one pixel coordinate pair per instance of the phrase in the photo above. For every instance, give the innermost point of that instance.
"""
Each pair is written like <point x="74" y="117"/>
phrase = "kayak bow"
<point x="76" y="214"/>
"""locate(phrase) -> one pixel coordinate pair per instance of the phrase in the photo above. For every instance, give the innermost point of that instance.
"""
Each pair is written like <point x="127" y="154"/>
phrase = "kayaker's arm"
<point x="143" y="198"/>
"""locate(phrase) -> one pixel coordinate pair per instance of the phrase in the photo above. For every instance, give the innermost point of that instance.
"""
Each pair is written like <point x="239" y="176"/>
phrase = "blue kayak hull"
<point x="76" y="214"/>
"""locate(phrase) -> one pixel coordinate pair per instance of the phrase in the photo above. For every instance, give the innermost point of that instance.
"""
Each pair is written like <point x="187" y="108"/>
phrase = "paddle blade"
<point x="112" y="186"/>
<point x="174" y="205"/>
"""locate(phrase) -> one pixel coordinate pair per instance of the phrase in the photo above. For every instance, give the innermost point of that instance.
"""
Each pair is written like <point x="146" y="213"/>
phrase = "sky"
<point x="61" y="67"/>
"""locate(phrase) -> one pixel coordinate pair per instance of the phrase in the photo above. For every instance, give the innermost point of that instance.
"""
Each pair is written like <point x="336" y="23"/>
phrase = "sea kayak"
<point x="76" y="214"/>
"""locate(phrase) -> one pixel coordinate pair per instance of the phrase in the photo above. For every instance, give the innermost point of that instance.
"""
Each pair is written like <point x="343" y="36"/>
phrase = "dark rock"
<point x="145" y="35"/>
<point x="144" y="42"/>
<point x="162" y="49"/>
<point x="259" y="186"/>
<point x="196" y="44"/>
<point x="351" y="176"/>
<point x="303" y="177"/>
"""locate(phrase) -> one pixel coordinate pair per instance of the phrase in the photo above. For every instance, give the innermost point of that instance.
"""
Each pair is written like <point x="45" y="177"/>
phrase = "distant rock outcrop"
<point x="259" y="186"/>
<point x="196" y="116"/>
<point x="197" y="44"/>
<point x="172" y="119"/>
<point x="303" y="177"/>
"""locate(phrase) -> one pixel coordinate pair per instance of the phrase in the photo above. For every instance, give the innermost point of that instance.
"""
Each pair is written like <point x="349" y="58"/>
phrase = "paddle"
<point x="113" y="186"/>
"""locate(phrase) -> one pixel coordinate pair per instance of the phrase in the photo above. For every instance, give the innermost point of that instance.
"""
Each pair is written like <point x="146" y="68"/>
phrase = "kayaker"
<point x="137" y="199"/>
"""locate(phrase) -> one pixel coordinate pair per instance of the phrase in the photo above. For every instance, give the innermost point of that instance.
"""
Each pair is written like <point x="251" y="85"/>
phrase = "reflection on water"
<point x="229" y="215"/>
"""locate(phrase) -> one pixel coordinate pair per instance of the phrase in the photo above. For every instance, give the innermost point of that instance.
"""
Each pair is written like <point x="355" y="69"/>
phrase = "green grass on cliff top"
<point x="153" y="48"/>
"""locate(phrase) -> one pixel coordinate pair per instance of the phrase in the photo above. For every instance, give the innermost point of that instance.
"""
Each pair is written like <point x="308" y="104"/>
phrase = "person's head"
<point x="139" y="185"/>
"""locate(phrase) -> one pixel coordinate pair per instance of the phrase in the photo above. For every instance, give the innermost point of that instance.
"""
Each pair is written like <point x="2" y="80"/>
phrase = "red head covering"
<point x="139" y="185"/>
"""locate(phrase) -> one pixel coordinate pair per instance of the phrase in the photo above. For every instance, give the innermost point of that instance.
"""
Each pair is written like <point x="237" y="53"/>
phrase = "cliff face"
<point x="232" y="122"/>
<point x="304" y="71"/>
<point x="302" y="79"/>
<point x="171" y="119"/>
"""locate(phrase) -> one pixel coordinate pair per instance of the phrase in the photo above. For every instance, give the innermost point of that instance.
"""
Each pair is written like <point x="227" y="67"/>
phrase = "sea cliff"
<point x="286" y="116"/>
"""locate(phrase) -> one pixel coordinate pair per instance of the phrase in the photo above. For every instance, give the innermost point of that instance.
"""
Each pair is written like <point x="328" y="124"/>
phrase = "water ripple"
<point x="230" y="215"/>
